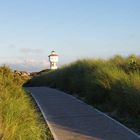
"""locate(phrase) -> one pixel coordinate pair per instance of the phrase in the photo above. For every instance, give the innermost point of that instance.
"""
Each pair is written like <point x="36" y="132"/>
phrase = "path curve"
<point x="71" y="119"/>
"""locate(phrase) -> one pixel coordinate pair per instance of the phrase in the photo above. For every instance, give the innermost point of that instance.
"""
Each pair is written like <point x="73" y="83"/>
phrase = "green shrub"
<point x="133" y="63"/>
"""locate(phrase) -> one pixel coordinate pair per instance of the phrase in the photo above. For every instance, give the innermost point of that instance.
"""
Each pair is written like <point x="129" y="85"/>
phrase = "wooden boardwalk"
<point x="71" y="119"/>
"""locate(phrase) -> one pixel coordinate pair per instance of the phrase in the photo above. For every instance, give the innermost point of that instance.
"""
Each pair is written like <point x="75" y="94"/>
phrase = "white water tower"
<point x="53" y="58"/>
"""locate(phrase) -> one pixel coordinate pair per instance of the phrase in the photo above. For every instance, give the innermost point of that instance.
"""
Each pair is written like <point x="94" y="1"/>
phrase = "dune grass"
<point x="112" y="86"/>
<point x="19" y="118"/>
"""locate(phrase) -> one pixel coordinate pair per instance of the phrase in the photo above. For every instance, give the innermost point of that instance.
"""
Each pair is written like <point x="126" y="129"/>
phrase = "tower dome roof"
<point x="53" y="53"/>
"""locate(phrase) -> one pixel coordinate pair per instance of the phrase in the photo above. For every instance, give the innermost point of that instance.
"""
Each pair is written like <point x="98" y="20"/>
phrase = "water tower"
<point x="53" y="58"/>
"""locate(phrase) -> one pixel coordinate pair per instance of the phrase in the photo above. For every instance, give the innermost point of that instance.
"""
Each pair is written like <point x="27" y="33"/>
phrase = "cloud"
<point x="8" y="46"/>
<point x="31" y="50"/>
<point x="11" y="46"/>
<point x="27" y="64"/>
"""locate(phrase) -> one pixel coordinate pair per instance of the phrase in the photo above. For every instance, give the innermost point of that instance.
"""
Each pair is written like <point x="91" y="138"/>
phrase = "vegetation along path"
<point x="72" y="119"/>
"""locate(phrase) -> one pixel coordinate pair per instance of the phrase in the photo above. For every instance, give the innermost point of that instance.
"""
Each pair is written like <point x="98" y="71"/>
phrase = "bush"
<point x="133" y="63"/>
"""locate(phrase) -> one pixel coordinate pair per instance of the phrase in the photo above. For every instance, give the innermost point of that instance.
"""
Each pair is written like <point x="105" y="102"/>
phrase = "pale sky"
<point x="31" y="29"/>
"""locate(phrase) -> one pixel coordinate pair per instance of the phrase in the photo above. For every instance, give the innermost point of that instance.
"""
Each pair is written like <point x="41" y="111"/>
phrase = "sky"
<point x="75" y="29"/>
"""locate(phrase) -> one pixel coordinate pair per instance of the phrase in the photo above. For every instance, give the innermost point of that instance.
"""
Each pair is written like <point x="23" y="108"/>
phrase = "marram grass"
<point x="112" y="85"/>
<point x="19" y="119"/>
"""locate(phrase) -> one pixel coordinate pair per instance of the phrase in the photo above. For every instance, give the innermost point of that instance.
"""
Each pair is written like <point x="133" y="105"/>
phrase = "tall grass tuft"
<point x="19" y="119"/>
